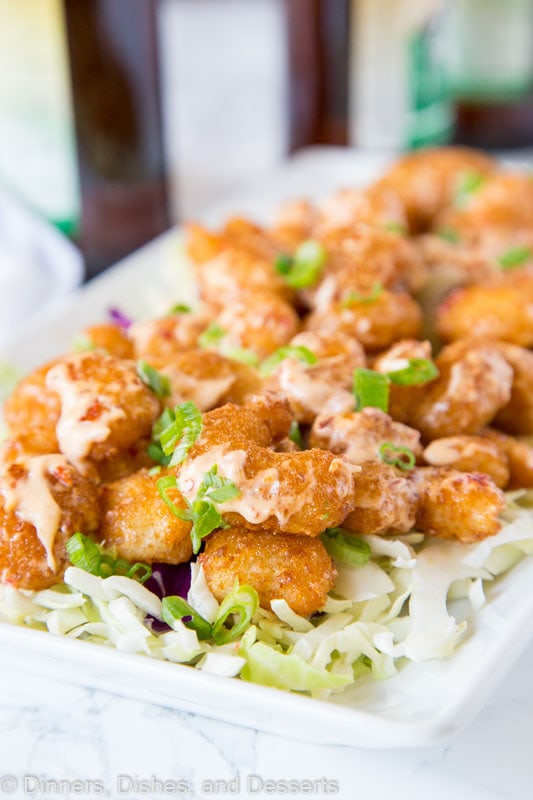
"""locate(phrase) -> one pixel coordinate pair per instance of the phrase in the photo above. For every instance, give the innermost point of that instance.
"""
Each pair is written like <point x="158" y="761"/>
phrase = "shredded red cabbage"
<point x="170" y="579"/>
<point x="119" y="318"/>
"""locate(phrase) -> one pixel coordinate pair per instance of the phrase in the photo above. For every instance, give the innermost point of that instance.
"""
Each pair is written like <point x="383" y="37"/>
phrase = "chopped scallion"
<point x="352" y="298"/>
<point x="468" y="184"/>
<point x="288" y="351"/>
<point x="397" y="456"/>
<point x="174" y="433"/>
<point x="417" y="371"/>
<point x="176" y="608"/>
<point x="86" y="554"/>
<point x="371" y="389"/>
<point x="303" y="269"/>
<point x="159" y="384"/>
<point x="345" y="547"/>
<point x="235" y="614"/>
<point x="515" y="257"/>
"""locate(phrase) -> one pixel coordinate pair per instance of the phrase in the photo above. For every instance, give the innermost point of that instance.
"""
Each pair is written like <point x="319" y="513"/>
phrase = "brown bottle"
<point x="115" y="89"/>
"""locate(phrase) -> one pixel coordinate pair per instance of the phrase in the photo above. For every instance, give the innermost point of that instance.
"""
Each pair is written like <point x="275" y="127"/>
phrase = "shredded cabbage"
<point x="395" y="607"/>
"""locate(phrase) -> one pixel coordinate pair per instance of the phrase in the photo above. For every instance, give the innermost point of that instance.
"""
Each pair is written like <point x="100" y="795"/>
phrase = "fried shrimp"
<point x="160" y="340"/>
<point x="104" y="407"/>
<point x="201" y="376"/>
<point x="296" y="569"/>
<point x="378" y="208"/>
<point x="32" y="411"/>
<point x="470" y="454"/>
<point x="360" y="435"/>
<point x="499" y="309"/>
<point x="519" y="456"/>
<point x="427" y="181"/>
<point x="136" y="522"/>
<point x="385" y="501"/>
<point x="326" y="384"/>
<point x="457" y="505"/>
<point x="517" y="416"/>
<point x="402" y="398"/>
<point x="110" y="338"/>
<point x="474" y="383"/>
<point x="375" y="325"/>
<point x="43" y="501"/>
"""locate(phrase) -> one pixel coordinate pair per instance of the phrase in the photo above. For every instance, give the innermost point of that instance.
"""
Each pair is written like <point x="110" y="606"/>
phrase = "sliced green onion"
<point x="288" y="351"/>
<point x="303" y="269"/>
<point x="397" y="456"/>
<point x="467" y="185"/>
<point x="81" y="344"/>
<point x="180" y="308"/>
<point x="515" y="257"/>
<point x="418" y="371"/>
<point x="351" y="298"/>
<point x="176" y="608"/>
<point x="159" y="384"/>
<point x="170" y="482"/>
<point x="295" y="434"/>
<point x="341" y="545"/>
<point x="86" y="554"/>
<point x="174" y="433"/>
<point x="449" y="235"/>
<point x="395" y="227"/>
<point x="240" y="606"/>
<point x="370" y="389"/>
<point x="211" y="336"/>
<point x="241" y="354"/>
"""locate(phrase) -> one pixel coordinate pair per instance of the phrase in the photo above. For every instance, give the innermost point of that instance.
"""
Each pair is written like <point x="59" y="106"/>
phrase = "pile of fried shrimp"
<point x="432" y="263"/>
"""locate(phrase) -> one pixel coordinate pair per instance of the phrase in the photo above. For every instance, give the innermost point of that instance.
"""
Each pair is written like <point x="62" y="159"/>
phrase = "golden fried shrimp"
<point x="427" y="181"/>
<point x="202" y="376"/>
<point x="43" y="501"/>
<point x="110" y="338"/>
<point x="469" y="454"/>
<point x="105" y="408"/>
<point x="473" y="385"/>
<point x="517" y="416"/>
<point x="296" y="569"/>
<point x="258" y="321"/>
<point x="247" y="382"/>
<point x="385" y="501"/>
<point x="519" y="456"/>
<point x="299" y="493"/>
<point x="264" y="420"/>
<point x="402" y="398"/>
<point x="502" y="202"/>
<point x="457" y="505"/>
<point x="359" y="435"/>
<point x="202" y="244"/>
<point x="499" y="309"/>
<point x="375" y="325"/>
<point x="294" y="223"/>
<point x="32" y="412"/>
<point x="160" y="340"/>
<point x="360" y="261"/>
<point x="312" y="389"/>
<point x="357" y="208"/>
<point x="136" y="522"/>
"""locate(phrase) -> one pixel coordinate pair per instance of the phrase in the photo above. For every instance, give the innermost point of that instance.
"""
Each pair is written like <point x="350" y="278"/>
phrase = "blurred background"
<point x="120" y="117"/>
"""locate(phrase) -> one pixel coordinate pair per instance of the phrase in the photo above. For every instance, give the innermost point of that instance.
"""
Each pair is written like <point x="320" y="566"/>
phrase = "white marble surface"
<point x="53" y="731"/>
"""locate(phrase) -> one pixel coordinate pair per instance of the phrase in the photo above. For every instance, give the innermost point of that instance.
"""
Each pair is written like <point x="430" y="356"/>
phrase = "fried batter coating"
<point x="457" y="505"/>
<point x="375" y="325"/>
<point x="258" y="321"/>
<point x="296" y="569"/>
<point x="473" y="385"/>
<point x="385" y="501"/>
<point x="202" y="376"/>
<point x="502" y="202"/>
<point x="312" y="389"/>
<point x="299" y="493"/>
<point x="32" y="412"/>
<point x="136" y="522"/>
<point x="402" y="398"/>
<point x="105" y="408"/>
<point x="427" y="181"/>
<point x="499" y="309"/>
<point x="360" y="434"/>
<point x="160" y="340"/>
<point x="519" y="455"/>
<point x="43" y="501"/>
<point x="372" y="207"/>
<point x="469" y="454"/>
<point x="517" y="416"/>
<point x="294" y="223"/>
<point x="110" y="338"/>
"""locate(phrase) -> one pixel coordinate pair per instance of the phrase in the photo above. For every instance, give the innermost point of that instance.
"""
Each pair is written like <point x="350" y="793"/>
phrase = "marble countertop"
<point x="52" y="732"/>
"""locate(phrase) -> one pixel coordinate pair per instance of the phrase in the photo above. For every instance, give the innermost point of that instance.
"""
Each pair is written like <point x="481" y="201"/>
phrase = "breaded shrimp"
<point x="299" y="493"/>
<point x="427" y="181"/>
<point x="519" y="455"/>
<point x="160" y="340"/>
<point x="43" y="501"/>
<point x="402" y="398"/>
<point x="375" y="325"/>
<point x="457" y="505"/>
<point x="294" y="223"/>
<point x="469" y="454"/>
<point x="385" y="501"/>
<point x="105" y="408"/>
<point x="355" y="208"/>
<point x="499" y="309"/>
<point x="296" y="569"/>
<point x="257" y="321"/>
<point x="517" y="416"/>
<point x="312" y="389"/>
<point x="202" y="376"/>
<point x="32" y="412"/>
<point x="359" y="435"/>
<point x="473" y="385"/>
<point x="110" y="338"/>
<point x="135" y="521"/>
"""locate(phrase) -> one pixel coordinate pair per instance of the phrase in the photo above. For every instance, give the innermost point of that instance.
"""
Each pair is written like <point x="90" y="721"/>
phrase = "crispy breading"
<point x="385" y="501"/>
<point x="469" y="454"/>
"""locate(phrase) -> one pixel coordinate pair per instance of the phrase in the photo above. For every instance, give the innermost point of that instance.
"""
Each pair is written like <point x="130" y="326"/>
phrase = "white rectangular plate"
<point x="426" y="703"/>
